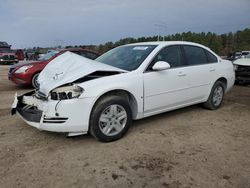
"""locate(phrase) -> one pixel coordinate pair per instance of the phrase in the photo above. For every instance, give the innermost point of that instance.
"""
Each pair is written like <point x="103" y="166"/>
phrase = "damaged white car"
<point x="78" y="95"/>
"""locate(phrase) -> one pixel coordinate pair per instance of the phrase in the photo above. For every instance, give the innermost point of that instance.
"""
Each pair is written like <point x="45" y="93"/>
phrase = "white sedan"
<point x="78" y="95"/>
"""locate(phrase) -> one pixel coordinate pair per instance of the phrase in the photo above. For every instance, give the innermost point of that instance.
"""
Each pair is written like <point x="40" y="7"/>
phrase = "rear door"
<point x="201" y="68"/>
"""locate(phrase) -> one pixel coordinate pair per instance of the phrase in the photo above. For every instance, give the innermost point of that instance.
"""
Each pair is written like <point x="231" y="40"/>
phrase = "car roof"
<point x="166" y="43"/>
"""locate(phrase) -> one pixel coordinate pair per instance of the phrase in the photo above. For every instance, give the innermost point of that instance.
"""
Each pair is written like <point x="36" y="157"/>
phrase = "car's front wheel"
<point x="110" y="118"/>
<point x="34" y="81"/>
<point x="216" y="96"/>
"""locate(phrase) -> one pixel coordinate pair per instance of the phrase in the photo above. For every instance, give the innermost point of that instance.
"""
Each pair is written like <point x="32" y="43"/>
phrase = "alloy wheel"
<point x="112" y="120"/>
<point x="218" y="95"/>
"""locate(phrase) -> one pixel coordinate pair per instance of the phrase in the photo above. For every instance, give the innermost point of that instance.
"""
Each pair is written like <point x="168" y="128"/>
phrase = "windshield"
<point x="247" y="56"/>
<point x="5" y="51"/>
<point x="245" y="53"/>
<point x="126" y="57"/>
<point x="48" y="56"/>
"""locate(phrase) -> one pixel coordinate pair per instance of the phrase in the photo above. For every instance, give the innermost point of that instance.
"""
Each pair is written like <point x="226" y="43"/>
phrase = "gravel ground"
<point x="190" y="147"/>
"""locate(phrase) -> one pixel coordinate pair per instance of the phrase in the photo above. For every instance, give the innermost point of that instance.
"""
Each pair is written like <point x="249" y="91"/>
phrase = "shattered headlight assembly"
<point x="66" y="92"/>
<point x="23" y="69"/>
<point x="235" y="67"/>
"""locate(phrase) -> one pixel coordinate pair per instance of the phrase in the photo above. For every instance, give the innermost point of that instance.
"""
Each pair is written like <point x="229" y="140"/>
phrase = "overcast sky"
<point x="28" y="23"/>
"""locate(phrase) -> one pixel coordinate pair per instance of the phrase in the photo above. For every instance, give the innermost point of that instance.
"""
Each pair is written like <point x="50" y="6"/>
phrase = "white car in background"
<point x="79" y="95"/>
<point x="242" y="70"/>
<point x="245" y="54"/>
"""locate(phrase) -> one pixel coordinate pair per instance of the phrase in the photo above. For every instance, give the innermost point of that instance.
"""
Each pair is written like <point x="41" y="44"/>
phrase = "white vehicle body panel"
<point x="243" y="61"/>
<point x="182" y="87"/>
<point x="153" y="92"/>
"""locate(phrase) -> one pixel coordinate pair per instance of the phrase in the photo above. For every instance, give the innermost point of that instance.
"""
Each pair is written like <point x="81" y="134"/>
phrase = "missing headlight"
<point x="235" y="67"/>
<point x="66" y="92"/>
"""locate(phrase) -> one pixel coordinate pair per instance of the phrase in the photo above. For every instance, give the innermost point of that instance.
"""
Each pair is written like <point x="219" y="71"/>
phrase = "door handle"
<point x="211" y="69"/>
<point x="181" y="74"/>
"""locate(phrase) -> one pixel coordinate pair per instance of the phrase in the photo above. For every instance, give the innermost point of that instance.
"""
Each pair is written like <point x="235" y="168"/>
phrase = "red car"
<point x="26" y="73"/>
<point x="7" y="57"/>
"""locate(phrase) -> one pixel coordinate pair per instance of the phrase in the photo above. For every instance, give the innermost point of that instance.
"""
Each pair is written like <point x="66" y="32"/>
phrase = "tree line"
<point x="222" y="44"/>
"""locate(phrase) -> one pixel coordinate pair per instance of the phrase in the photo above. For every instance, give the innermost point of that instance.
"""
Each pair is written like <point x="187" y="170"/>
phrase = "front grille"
<point x="5" y="57"/>
<point x="9" y="57"/>
<point x="243" y="68"/>
<point x="12" y="57"/>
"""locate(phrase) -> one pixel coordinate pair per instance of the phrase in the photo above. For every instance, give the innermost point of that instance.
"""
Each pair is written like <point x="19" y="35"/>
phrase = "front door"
<point x="166" y="89"/>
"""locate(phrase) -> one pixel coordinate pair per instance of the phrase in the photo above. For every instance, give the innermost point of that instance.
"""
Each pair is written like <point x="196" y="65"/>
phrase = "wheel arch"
<point x="32" y="76"/>
<point x="124" y="93"/>
<point x="36" y="72"/>
<point x="223" y="80"/>
<point x="209" y="103"/>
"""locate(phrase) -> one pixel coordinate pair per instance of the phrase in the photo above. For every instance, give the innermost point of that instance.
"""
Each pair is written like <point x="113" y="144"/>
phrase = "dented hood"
<point x="67" y="68"/>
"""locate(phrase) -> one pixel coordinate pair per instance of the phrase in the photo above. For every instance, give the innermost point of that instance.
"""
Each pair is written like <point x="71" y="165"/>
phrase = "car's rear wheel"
<point x="34" y="81"/>
<point x="110" y="118"/>
<point x="216" y="96"/>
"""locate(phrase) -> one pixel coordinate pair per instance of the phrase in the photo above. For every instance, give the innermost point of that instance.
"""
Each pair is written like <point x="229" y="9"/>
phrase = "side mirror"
<point x="161" y="65"/>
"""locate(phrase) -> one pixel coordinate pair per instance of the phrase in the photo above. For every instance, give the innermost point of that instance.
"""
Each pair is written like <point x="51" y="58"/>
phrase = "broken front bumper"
<point x="30" y="114"/>
<point x="70" y="116"/>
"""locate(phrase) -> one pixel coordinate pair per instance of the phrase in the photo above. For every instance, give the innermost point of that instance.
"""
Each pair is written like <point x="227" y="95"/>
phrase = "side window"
<point x="195" y="55"/>
<point x="211" y="58"/>
<point x="171" y="54"/>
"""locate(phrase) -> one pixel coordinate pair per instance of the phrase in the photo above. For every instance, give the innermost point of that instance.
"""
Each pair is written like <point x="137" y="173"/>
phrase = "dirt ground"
<point x="190" y="147"/>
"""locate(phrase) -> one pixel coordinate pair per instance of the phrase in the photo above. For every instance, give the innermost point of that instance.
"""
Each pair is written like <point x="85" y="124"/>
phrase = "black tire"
<point x="97" y="111"/>
<point x="34" y="81"/>
<point x="210" y="104"/>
